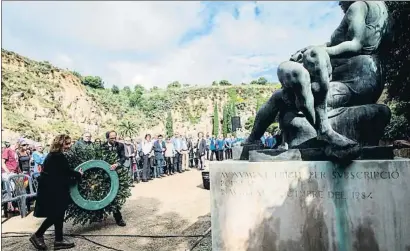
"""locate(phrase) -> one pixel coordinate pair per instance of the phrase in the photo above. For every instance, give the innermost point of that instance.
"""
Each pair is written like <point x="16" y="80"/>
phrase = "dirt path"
<point x="175" y="205"/>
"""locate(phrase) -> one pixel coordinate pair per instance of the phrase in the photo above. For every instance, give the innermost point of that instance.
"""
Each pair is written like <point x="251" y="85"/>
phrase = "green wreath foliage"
<point x="95" y="183"/>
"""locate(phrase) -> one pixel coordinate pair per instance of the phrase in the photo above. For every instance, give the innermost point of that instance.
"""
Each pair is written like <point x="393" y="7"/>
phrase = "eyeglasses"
<point x="24" y="145"/>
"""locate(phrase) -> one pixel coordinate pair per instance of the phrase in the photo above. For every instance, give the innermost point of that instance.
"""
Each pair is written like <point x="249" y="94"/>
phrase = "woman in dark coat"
<point x="53" y="194"/>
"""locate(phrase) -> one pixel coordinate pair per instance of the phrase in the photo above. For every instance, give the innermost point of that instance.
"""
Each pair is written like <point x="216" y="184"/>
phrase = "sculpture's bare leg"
<point x="266" y="116"/>
<point x="295" y="78"/>
<point x="317" y="62"/>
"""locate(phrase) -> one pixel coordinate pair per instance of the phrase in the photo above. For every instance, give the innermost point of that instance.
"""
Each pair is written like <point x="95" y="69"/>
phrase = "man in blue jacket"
<point x="263" y="139"/>
<point x="212" y="147"/>
<point x="268" y="141"/>
<point x="220" y="144"/>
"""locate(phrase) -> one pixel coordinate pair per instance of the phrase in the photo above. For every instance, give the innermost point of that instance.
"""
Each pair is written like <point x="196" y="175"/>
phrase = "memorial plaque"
<point x="310" y="206"/>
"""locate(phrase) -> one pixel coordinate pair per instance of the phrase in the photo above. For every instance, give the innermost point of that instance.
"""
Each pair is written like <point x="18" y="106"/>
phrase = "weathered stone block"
<point x="310" y="206"/>
<point x="242" y="152"/>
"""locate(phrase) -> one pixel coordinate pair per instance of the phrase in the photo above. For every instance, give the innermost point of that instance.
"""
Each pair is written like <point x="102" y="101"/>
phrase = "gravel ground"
<point x="176" y="205"/>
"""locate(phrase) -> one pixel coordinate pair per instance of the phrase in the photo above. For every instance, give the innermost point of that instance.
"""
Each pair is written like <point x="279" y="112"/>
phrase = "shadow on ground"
<point x="143" y="218"/>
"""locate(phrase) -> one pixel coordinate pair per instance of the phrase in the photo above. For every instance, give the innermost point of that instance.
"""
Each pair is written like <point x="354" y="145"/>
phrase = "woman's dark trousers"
<point x="57" y="221"/>
<point x="146" y="167"/>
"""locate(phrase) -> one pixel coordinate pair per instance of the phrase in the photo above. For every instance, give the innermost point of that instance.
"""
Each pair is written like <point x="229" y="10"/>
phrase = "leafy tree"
<point x="215" y="129"/>
<point x="228" y="113"/>
<point x="262" y="81"/>
<point x="127" y="129"/>
<point x="272" y="127"/>
<point x="93" y="82"/>
<point x="224" y="83"/>
<point x="174" y="84"/>
<point x="154" y="88"/>
<point x="215" y="83"/>
<point x="138" y="92"/>
<point x="398" y="127"/>
<point x="231" y="113"/>
<point x="169" y="125"/>
<point x="249" y="123"/>
<point x="115" y="89"/>
<point x="78" y="75"/>
<point x="395" y="53"/>
<point x="127" y="90"/>
<point x="139" y="88"/>
<point x="254" y="82"/>
<point x="135" y="99"/>
<point x="260" y="101"/>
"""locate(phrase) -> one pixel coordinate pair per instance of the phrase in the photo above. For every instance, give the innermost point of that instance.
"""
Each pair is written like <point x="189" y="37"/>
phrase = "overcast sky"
<point x="155" y="43"/>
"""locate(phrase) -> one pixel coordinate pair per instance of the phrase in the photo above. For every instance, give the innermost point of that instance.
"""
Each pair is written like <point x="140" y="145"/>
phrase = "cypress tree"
<point x="225" y="121"/>
<point x="169" y="126"/>
<point x="215" y="130"/>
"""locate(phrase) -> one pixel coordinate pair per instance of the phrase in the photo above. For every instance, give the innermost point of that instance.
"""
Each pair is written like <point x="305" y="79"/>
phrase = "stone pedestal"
<point x="310" y="206"/>
<point x="242" y="152"/>
<point x="319" y="154"/>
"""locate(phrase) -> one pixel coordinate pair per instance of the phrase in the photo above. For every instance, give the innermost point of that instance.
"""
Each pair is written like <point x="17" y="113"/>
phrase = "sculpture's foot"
<point x="283" y="146"/>
<point x="342" y="154"/>
<point x="352" y="122"/>
<point x="336" y="140"/>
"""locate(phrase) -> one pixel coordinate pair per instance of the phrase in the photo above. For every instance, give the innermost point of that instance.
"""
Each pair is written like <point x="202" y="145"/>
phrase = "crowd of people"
<point x="271" y="141"/>
<point x="146" y="159"/>
<point x="152" y="157"/>
<point x="157" y="156"/>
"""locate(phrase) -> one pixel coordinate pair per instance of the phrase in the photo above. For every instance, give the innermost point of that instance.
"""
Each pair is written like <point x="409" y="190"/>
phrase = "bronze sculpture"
<point x="329" y="92"/>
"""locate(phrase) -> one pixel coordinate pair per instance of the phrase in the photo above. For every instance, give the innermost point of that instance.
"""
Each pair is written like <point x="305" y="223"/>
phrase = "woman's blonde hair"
<point x="59" y="142"/>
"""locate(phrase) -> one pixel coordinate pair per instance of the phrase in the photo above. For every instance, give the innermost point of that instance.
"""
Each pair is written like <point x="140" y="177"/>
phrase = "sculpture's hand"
<point x="297" y="57"/>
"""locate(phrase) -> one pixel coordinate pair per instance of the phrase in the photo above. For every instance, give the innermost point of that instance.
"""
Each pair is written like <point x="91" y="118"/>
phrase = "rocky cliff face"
<point x="40" y="100"/>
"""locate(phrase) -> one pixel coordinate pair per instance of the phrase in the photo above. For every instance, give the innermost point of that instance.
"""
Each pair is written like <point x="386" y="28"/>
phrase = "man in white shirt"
<point x="147" y="147"/>
<point x="177" y="141"/>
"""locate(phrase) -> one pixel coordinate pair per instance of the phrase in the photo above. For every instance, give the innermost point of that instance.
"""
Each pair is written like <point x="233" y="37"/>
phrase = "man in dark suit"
<point x="113" y="146"/>
<point x="159" y="149"/>
<point x="201" y="150"/>
<point x="190" y="146"/>
<point x="129" y="158"/>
